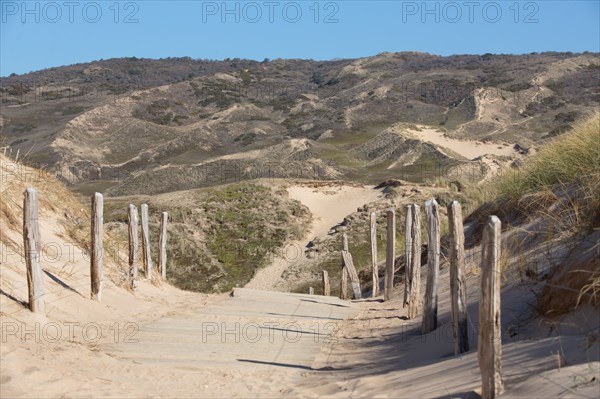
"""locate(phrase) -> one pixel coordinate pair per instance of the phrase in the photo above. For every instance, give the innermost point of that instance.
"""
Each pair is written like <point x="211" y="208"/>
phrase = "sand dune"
<point x="328" y="204"/>
<point x="469" y="149"/>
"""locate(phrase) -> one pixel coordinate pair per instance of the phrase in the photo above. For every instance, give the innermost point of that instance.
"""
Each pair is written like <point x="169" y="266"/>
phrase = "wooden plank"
<point x="162" y="245"/>
<point x="146" y="255"/>
<point x="345" y="241"/>
<point x="414" y="298"/>
<point x="458" y="287"/>
<point x="374" y="266"/>
<point x="344" y="276"/>
<point x="133" y="244"/>
<point x="355" y="282"/>
<point x="97" y="256"/>
<point x="390" y="254"/>
<point x="407" y="253"/>
<point x="32" y="243"/>
<point x="344" y="284"/>
<point x="326" y="285"/>
<point x="430" y="311"/>
<point x="489" y="345"/>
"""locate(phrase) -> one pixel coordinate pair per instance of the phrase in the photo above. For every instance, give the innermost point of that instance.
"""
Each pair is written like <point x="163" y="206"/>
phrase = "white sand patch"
<point x="328" y="206"/>
<point x="469" y="149"/>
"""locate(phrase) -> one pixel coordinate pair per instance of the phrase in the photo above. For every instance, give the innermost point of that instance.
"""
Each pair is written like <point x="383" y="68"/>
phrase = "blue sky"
<point x="41" y="34"/>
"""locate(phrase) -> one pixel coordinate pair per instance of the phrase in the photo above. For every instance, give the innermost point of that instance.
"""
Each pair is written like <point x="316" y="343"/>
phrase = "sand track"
<point x="328" y="205"/>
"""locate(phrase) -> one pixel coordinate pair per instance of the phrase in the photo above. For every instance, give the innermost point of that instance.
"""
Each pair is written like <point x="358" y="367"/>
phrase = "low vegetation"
<point x="550" y="206"/>
<point x="219" y="237"/>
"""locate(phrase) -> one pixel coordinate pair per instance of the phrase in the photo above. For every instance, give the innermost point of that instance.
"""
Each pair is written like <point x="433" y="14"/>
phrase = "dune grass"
<point x="571" y="158"/>
<point x="566" y="168"/>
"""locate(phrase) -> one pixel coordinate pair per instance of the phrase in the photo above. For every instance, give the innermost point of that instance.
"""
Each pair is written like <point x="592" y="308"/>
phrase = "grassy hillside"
<point x="550" y="212"/>
<point x="136" y="122"/>
<point x="219" y="237"/>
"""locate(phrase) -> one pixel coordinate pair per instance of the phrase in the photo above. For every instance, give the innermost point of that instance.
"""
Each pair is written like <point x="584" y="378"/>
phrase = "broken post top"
<point x="431" y="203"/>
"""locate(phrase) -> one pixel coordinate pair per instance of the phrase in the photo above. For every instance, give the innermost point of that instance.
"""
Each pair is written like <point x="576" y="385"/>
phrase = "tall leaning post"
<point x="430" y="311"/>
<point x="326" y="285"/>
<point x="133" y="244"/>
<point x="32" y="243"/>
<point x="374" y="267"/>
<point x="390" y="253"/>
<point x="146" y="255"/>
<point x="407" y="253"/>
<point x="162" y="245"/>
<point x="345" y="276"/>
<point x="458" y="287"/>
<point x="489" y="345"/>
<point x="97" y="256"/>
<point x="414" y="298"/>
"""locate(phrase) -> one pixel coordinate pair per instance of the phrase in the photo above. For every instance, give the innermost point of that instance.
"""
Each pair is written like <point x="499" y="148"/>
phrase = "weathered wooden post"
<point x="430" y="312"/>
<point x="32" y="242"/>
<point x="374" y="267"/>
<point x="407" y="253"/>
<point x="96" y="266"/>
<point x="349" y="266"/>
<point x="458" y="288"/>
<point x="390" y="254"/>
<point x="133" y="245"/>
<point x="162" y="245"/>
<point x="17" y="156"/>
<point x="146" y="256"/>
<point x="311" y="291"/>
<point x="489" y="345"/>
<point x="414" y="298"/>
<point x="326" y="286"/>
<point x="344" y="278"/>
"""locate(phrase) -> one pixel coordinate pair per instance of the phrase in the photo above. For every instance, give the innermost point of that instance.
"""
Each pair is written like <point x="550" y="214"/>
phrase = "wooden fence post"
<point x="344" y="278"/>
<point x="162" y="245"/>
<point x="414" y="298"/>
<point x="458" y="288"/>
<point x="326" y="286"/>
<point x="133" y="244"/>
<point x="32" y="242"/>
<point x="349" y="266"/>
<point x="390" y="254"/>
<point x="430" y="312"/>
<point x="489" y="345"/>
<point x="374" y="267"/>
<point x="407" y="253"/>
<point x="146" y="255"/>
<point x="97" y="256"/>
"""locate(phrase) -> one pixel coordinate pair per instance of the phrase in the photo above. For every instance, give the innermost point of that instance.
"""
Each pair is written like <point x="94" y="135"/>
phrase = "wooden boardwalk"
<point x="250" y="329"/>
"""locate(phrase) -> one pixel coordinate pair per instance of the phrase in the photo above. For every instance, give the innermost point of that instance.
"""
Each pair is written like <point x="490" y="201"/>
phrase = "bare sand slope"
<point x="469" y="149"/>
<point x="328" y="204"/>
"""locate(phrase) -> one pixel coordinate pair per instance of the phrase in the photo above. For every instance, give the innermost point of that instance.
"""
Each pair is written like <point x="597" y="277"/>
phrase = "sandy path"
<point x="470" y="149"/>
<point x="382" y="353"/>
<point x="328" y="206"/>
<point x="255" y="344"/>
